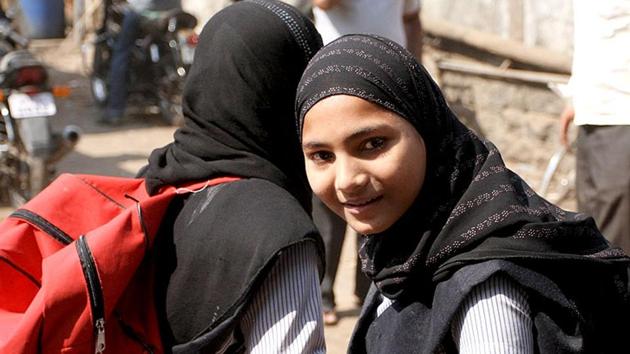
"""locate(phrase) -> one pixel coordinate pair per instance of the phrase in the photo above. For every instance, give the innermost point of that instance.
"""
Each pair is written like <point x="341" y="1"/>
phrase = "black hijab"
<point x="238" y="101"/>
<point x="471" y="207"/>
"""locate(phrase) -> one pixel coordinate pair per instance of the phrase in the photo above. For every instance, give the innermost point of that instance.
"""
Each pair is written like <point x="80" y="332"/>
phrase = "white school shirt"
<point x="493" y="319"/>
<point x="600" y="80"/>
<point x="381" y="17"/>
<point x="285" y="315"/>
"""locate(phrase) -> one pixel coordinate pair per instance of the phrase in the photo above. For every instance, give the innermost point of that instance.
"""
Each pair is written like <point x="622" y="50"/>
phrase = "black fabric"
<point x="471" y="208"/>
<point x="215" y="247"/>
<point x="568" y="315"/>
<point x="238" y="100"/>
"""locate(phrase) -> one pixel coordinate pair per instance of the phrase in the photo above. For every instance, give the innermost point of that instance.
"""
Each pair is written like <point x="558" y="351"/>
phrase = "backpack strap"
<point x="197" y="186"/>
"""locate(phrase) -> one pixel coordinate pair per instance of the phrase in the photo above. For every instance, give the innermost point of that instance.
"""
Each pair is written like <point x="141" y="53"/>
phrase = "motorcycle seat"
<point x="17" y="59"/>
<point x="12" y="62"/>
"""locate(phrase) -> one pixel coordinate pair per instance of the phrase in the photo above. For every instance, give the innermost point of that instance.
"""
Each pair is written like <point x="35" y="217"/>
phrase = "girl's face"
<point x="366" y="163"/>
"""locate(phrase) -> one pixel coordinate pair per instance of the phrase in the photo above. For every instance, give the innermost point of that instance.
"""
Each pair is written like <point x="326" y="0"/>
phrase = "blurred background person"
<point x="119" y="72"/>
<point x="304" y="6"/>
<point x="600" y="107"/>
<point x="333" y="231"/>
<point x="398" y="20"/>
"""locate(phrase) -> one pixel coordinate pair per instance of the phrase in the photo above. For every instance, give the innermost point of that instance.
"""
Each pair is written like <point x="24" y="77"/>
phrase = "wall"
<point x="521" y="118"/>
<point x="545" y="23"/>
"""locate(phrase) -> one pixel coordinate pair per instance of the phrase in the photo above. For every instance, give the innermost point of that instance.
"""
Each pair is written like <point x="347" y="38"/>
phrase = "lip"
<point x="358" y="206"/>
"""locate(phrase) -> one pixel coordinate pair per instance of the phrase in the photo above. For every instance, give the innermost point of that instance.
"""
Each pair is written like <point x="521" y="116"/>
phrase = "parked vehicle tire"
<point x="17" y="189"/>
<point x="31" y="178"/>
<point x="100" y="71"/>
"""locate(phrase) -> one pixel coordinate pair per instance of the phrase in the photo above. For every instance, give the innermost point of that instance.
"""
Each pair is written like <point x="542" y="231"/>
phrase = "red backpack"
<point x="75" y="275"/>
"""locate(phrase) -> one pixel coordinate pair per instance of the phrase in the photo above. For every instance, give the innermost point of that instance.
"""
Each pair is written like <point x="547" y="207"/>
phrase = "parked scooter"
<point x="159" y="60"/>
<point x="29" y="147"/>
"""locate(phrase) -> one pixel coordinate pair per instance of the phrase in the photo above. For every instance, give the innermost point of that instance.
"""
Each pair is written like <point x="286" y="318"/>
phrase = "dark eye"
<point x="374" y="144"/>
<point x="321" y="156"/>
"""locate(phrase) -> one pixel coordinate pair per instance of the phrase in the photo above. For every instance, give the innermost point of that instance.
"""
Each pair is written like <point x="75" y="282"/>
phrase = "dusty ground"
<point x="121" y="151"/>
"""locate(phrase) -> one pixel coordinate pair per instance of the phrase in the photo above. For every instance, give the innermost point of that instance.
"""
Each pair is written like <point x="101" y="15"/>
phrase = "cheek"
<point x="319" y="180"/>
<point x="388" y="172"/>
<point x="415" y="160"/>
<point x="405" y="172"/>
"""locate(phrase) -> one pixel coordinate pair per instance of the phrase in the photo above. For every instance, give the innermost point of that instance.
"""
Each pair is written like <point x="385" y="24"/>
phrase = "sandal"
<point x="330" y="318"/>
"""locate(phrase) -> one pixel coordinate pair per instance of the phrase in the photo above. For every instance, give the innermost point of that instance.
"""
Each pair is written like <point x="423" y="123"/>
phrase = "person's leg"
<point x="332" y="228"/>
<point x="584" y="184"/>
<point x="603" y="180"/>
<point x="119" y="69"/>
<point x="361" y="281"/>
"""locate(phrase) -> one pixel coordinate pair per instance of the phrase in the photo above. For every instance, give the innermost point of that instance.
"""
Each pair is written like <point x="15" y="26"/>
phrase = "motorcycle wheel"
<point x="35" y="174"/>
<point x="100" y="71"/>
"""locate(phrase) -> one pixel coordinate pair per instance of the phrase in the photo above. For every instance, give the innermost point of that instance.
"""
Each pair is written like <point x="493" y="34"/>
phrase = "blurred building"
<point x="502" y="65"/>
<point x="548" y="24"/>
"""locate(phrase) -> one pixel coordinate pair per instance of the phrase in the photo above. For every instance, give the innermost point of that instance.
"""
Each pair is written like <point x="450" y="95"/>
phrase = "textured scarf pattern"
<point x="471" y="207"/>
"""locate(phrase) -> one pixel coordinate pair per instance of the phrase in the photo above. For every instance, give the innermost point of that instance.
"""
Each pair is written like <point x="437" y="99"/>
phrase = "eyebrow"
<point x="357" y="134"/>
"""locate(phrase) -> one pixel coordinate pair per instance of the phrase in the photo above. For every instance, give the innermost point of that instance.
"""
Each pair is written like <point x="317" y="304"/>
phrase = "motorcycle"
<point x="29" y="147"/>
<point x="159" y="62"/>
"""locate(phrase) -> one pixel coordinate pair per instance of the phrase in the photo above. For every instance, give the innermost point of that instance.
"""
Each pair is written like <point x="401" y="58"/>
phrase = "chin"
<point x="366" y="229"/>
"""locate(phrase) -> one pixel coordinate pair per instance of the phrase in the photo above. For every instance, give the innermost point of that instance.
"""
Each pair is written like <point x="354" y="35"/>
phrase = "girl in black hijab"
<point x="464" y="256"/>
<point x="239" y="262"/>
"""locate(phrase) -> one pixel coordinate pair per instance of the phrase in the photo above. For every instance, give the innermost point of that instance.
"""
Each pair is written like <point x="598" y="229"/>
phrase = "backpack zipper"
<point x="95" y="293"/>
<point x="89" y="271"/>
<point x="100" y="336"/>
<point x="43" y="225"/>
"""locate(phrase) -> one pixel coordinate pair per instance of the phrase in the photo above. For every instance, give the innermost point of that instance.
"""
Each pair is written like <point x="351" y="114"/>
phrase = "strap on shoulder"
<point x="198" y="186"/>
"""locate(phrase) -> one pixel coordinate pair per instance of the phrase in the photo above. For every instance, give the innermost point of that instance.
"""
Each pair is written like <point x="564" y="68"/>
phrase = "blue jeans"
<point x="119" y="68"/>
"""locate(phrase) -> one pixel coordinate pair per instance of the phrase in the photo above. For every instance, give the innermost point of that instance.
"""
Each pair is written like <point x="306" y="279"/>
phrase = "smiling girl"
<point x="463" y="254"/>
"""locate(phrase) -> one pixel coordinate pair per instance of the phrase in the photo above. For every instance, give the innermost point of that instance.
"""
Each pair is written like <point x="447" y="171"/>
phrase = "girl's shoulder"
<point x="250" y="205"/>
<point x="262" y="195"/>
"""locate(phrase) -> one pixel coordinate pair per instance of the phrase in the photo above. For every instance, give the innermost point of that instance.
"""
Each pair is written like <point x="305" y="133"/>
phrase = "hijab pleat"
<point x="471" y="207"/>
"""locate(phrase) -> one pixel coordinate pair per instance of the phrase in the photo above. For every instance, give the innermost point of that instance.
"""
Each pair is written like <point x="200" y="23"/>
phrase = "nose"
<point x="350" y="177"/>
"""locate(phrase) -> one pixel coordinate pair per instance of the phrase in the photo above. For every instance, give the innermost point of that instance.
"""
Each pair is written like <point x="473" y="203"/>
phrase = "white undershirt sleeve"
<point x="494" y="318"/>
<point x="285" y="316"/>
